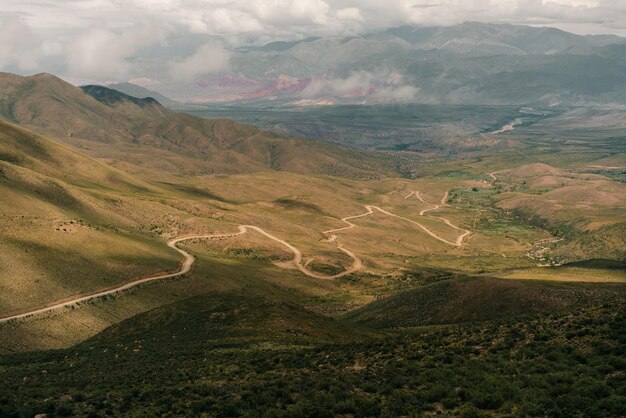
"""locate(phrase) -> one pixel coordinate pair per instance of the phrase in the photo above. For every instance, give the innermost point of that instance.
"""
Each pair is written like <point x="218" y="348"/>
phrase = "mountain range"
<point x="471" y="63"/>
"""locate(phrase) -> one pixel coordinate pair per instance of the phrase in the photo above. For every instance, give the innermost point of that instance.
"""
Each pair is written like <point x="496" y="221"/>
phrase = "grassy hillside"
<point x="56" y="108"/>
<point x="98" y="226"/>
<point x="480" y="299"/>
<point x="422" y="327"/>
<point x="25" y="149"/>
<point x="61" y="231"/>
<point x="72" y="224"/>
<point x="396" y="253"/>
<point x="585" y="210"/>
<point x="126" y="220"/>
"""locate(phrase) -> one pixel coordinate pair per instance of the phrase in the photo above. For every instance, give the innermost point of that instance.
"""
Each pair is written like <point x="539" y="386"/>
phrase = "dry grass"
<point x="568" y="274"/>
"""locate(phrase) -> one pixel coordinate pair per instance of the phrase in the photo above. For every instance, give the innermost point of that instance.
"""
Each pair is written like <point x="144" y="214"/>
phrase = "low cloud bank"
<point x="383" y="86"/>
<point x="208" y="59"/>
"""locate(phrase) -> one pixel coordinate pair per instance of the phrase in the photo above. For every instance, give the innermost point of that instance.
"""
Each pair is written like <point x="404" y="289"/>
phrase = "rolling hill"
<point x="421" y="327"/>
<point x="108" y="124"/>
<point x="585" y="211"/>
<point x="244" y="355"/>
<point x="479" y="299"/>
<point x="61" y="228"/>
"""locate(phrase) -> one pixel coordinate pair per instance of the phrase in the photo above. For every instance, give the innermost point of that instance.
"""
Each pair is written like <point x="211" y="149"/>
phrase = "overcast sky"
<point x="101" y="39"/>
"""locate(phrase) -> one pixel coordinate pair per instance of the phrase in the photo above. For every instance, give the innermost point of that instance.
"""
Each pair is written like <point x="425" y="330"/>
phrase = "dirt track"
<point x="184" y="268"/>
<point x="189" y="259"/>
<point x="493" y="174"/>
<point x="297" y="256"/>
<point x="444" y="199"/>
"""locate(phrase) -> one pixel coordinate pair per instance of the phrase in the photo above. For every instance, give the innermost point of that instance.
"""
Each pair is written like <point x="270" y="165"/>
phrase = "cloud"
<point x="291" y="11"/>
<point x="350" y="13"/>
<point x="110" y="39"/>
<point x="380" y="86"/>
<point x="404" y="93"/>
<point x="101" y="53"/>
<point x="208" y="59"/>
<point x="143" y="81"/>
<point x="19" y="47"/>
<point x="282" y="19"/>
<point x="227" y="21"/>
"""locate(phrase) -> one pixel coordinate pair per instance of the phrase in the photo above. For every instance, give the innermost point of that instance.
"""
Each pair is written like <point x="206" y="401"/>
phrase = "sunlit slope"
<point x="27" y="150"/>
<point x="73" y="224"/>
<point x="59" y="109"/>
<point x="60" y="231"/>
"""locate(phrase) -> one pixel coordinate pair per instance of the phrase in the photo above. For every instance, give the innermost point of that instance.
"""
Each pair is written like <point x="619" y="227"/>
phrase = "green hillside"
<point x="480" y="299"/>
<point x="62" y="231"/>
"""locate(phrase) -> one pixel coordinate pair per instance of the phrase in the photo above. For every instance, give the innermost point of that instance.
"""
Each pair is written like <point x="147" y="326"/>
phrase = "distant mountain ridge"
<point x="464" y="64"/>
<point x="515" y="39"/>
<point x="140" y="92"/>
<point x="110" y="96"/>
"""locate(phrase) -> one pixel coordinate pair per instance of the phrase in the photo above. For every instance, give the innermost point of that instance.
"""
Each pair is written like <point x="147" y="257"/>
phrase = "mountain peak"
<point x="111" y="97"/>
<point x="44" y="76"/>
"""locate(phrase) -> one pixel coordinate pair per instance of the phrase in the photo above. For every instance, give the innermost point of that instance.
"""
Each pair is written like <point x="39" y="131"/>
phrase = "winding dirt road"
<point x="493" y="174"/>
<point x="189" y="259"/>
<point x="370" y="211"/>
<point x="421" y="199"/>
<point x="297" y="256"/>
<point x="350" y="224"/>
<point x="443" y="202"/>
<point x="184" y="268"/>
